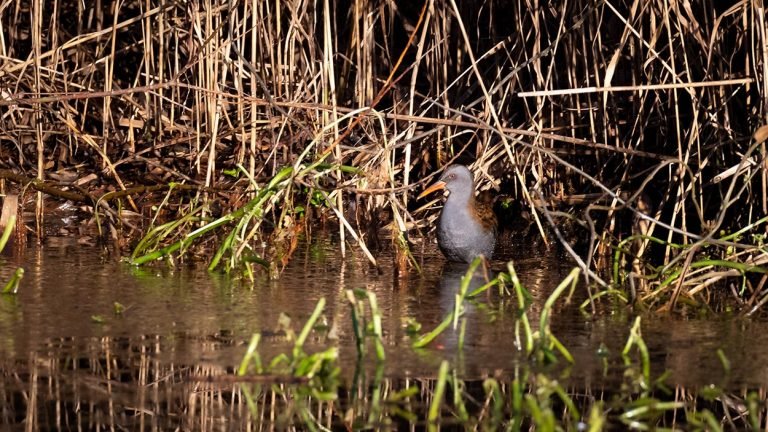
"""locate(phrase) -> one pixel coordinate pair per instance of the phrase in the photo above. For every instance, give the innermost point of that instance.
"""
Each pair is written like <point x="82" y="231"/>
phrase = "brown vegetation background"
<point x="648" y="106"/>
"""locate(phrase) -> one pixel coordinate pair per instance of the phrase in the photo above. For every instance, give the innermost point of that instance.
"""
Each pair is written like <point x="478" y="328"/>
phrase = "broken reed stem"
<point x="636" y="88"/>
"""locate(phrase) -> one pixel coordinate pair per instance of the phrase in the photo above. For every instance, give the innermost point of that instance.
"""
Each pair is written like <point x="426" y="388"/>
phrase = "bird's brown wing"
<point x="484" y="209"/>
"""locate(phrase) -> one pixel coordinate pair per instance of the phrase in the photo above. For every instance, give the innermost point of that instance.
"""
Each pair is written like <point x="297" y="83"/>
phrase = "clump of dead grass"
<point x="615" y="115"/>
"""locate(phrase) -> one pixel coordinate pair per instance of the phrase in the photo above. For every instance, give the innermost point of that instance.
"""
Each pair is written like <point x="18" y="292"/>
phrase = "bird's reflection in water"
<point x="449" y="286"/>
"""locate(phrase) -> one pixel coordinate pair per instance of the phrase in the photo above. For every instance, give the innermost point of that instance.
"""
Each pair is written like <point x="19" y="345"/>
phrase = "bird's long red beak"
<point x="438" y="185"/>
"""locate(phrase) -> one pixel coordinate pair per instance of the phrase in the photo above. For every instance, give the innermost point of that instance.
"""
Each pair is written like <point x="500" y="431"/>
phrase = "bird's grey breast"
<point x="461" y="235"/>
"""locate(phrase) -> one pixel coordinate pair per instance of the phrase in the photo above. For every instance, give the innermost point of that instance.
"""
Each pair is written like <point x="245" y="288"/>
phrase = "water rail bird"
<point x="467" y="226"/>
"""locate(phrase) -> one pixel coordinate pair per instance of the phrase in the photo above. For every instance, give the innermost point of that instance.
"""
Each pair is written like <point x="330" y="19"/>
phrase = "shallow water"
<point x="68" y="361"/>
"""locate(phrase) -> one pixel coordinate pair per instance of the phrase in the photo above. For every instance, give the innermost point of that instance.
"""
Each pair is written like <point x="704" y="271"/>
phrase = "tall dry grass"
<point x="641" y="110"/>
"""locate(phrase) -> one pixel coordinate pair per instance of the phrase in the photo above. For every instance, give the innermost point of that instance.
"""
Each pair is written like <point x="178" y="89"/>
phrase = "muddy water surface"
<point x="68" y="361"/>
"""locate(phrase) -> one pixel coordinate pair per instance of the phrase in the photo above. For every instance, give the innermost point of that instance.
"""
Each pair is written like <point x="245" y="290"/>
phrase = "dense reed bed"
<point x="627" y="131"/>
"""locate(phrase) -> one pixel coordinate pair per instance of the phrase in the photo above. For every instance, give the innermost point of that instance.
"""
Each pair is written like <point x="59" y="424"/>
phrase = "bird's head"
<point x="457" y="180"/>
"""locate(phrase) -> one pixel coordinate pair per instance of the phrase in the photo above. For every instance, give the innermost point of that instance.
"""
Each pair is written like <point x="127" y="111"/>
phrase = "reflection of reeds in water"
<point x="127" y="383"/>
